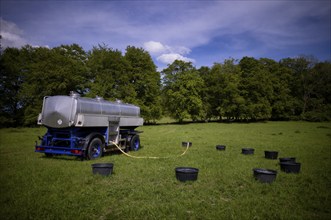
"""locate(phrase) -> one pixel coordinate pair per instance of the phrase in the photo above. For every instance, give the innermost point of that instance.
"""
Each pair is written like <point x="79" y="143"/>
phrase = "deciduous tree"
<point x="182" y="90"/>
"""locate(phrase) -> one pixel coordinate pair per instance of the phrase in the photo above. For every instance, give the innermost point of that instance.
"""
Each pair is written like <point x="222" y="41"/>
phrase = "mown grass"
<point x="36" y="187"/>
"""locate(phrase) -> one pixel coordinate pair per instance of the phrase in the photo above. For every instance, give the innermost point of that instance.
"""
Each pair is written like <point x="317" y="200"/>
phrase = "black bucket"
<point x="186" y="173"/>
<point x="247" y="151"/>
<point x="184" y="144"/>
<point x="103" y="169"/>
<point x="271" y="154"/>
<point x="287" y="159"/>
<point x="264" y="175"/>
<point x="290" y="167"/>
<point x="220" y="147"/>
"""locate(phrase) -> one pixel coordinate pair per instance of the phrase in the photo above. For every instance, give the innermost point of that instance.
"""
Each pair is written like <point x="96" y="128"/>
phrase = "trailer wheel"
<point x="135" y="143"/>
<point x="94" y="150"/>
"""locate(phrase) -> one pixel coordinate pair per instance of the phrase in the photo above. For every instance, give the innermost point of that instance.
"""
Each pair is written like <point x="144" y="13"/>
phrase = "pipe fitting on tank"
<point x="98" y="98"/>
<point x="74" y="94"/>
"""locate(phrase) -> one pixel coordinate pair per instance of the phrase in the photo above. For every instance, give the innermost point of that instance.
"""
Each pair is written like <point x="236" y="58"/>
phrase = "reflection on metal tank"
<point x="62" y="111"/>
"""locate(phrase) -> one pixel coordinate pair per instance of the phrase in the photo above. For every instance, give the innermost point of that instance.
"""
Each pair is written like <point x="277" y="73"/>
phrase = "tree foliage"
<point x="49" y="72"/>
<point x="108" y="76"/>
<point x="131" y="78"/>
<point x="247" y="89"/>
<point x="182" y="91"/>
<point x="145" y="81"/>
<point x="11" y="65"/>
<point x="223" y="93"/>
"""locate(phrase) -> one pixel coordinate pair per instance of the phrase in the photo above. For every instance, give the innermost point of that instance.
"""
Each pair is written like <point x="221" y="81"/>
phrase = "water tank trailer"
<point x="87" y="127"/>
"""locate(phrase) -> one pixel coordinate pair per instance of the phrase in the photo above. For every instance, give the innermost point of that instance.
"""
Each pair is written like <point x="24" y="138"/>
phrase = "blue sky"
<point x="203" y="32"/>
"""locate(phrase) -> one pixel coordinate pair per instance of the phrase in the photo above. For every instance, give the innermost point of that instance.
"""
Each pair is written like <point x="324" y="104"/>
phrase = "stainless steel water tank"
<point x="62" y="111"/>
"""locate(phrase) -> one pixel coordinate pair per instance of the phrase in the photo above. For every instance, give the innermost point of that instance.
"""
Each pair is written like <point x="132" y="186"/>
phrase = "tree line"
<point x="247" y="89"/>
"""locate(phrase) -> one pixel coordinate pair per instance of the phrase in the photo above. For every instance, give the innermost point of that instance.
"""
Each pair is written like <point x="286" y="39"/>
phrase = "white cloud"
<point x="232" y="27"/>
<point x="11" y="35"/>
<point x="155" y="47"/>
<point x="272" y="24"/>
<point x="171" y="57"/>
<point x="167" y="54"/>
<point x="182" y="50"/>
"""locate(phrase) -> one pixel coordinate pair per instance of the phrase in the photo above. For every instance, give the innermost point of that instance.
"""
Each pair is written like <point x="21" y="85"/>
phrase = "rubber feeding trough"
<point x="247" y="151"/>
<point x="290" y="167"/>
<point x="186" y="173"/>
<point x="104" y="169"/>
<point x="264" y="175"/>
<point x="184" y="144"/>
<point x="271" y="154"/>
<point x="220" y="147"/>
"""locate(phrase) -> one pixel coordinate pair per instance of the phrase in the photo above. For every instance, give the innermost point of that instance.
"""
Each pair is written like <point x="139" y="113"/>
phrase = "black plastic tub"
<point x="271" y="154"/>
<point x="287" y="159"/>
<point x="104" y="169"/>
<point x="220" y="147"/>
<point x="264" y="175"/>
<point x="247" y="151"/>
<point x="184" y="144"/>
<point x="290" y="167"/>
<point x="186" y="173"/>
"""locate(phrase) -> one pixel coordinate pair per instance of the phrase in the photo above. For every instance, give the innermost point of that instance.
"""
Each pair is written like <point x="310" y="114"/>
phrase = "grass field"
<point x="36" y="187"/>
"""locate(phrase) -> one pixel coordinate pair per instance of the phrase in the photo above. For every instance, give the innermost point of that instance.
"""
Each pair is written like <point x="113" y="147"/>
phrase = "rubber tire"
<point x="94" y="150"/>
<point x="135" y="143"/>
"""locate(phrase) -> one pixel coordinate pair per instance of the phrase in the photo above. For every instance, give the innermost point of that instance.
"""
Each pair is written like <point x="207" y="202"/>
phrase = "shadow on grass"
<point x="75" y="158"/>
<point x="225" y="121"/>
<point x="61" y="157"/>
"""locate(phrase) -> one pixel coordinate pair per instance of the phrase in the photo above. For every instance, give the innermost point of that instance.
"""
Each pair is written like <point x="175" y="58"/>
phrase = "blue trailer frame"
<point x="75" y="141"/>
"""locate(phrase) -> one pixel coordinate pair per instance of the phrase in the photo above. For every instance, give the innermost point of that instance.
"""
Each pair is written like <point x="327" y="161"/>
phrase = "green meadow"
<point x="36" y="187"/>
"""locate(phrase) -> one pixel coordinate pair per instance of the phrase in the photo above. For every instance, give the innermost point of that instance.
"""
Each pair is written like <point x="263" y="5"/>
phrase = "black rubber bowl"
<point x="287" y="159"/>
<point x="264" y="175"/>
<point x="247" y="151"/>
<point x="271" y="154"/>
<point x="290" y="167"/>
<point x="104" y="169"/>
<point x="184" y="144"/>
<point x="220" y="147"/>
<point x="186" y="173"/>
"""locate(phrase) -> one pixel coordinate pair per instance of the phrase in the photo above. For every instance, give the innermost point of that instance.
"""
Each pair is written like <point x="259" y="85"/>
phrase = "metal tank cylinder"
<point x="62" y="111"/>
